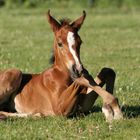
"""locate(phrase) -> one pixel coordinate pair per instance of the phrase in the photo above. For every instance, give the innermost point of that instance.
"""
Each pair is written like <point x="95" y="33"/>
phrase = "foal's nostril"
<point x="77" y="71"/>
<point x="74" y="69"/>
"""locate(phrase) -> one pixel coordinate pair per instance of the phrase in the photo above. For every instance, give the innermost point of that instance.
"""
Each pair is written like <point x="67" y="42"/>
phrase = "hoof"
<point x="118" y="115"/>
<point x="108" y="112"/>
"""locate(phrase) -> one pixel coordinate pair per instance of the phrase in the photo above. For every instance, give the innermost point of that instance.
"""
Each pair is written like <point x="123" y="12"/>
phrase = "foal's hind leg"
<point x="5" y="115"/>
<point x="9" y="81"/>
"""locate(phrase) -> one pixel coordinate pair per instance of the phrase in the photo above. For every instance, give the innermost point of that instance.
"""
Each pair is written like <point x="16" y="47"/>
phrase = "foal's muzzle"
<point x="76" y="71"/>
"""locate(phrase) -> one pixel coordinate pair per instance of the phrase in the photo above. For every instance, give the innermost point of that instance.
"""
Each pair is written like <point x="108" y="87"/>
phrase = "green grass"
<point x="110" y="39"/>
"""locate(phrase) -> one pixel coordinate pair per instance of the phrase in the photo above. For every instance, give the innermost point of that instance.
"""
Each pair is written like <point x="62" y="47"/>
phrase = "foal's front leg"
<point x="105" y="77"/>
<point x="111" y="107"/>
<point x="68" y="100"/>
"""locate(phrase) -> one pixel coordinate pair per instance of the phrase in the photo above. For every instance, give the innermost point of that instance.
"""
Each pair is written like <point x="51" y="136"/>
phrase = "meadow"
<point x="110" y="39"/>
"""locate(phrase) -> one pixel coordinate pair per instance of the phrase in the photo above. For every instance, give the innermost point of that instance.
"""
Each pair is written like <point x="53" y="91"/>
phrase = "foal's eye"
<point x="60" y="44"/>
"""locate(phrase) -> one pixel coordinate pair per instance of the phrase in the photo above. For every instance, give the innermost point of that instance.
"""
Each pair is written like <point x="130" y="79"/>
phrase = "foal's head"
<point x="67" y="44"/>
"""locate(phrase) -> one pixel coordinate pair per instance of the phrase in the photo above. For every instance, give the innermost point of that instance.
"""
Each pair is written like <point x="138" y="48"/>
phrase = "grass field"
<point x="110" y="39"/>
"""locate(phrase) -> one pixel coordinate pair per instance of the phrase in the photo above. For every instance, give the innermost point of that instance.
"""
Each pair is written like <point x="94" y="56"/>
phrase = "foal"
<point x="65" y="88"/>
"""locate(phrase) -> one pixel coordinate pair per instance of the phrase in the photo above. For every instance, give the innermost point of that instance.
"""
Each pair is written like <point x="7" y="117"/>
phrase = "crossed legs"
<point x="110" y="107"/>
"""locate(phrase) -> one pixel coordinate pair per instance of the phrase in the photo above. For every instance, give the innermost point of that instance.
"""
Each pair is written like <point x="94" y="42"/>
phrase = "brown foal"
<point x="63" y="89"/>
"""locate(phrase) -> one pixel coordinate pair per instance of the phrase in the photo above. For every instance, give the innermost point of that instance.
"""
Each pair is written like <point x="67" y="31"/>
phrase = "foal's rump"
<point x="10" y="81"/>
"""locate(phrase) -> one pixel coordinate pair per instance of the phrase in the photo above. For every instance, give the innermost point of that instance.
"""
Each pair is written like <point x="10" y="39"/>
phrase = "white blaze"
<point x="71" y="42"/>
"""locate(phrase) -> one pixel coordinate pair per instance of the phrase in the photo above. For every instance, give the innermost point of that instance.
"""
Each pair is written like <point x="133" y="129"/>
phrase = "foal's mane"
<point x="63" y="22"/>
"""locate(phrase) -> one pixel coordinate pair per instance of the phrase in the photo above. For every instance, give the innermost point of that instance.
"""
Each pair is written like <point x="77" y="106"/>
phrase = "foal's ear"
<point x="78" y="23"/>
<point x="53" y="22"/>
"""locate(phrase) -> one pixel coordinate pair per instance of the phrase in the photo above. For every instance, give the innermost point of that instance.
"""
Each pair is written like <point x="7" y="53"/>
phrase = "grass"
<point x="111" y="39"/>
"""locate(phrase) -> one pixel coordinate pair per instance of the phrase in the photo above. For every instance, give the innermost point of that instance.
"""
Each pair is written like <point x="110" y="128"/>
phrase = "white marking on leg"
<point x="106" y="109"/>
<point x="118" y="114"/>
<point x="71" y="42"/>
<point x="89" y="90"/>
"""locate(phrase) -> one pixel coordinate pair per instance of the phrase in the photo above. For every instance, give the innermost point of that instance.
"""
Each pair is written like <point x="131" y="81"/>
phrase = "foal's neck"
<point x="58" y="61"/>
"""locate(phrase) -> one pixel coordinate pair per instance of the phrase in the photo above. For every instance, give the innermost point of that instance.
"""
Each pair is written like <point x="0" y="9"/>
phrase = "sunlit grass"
<point x="109" y="40"/>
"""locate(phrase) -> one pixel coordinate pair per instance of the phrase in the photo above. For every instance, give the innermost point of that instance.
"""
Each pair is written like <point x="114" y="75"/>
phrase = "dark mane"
<point x="52" y="58"/>
<point x="65" y="21"/>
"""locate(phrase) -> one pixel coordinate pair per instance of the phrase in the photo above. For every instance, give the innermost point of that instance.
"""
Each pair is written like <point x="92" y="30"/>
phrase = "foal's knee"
<point x="107" y="73"/>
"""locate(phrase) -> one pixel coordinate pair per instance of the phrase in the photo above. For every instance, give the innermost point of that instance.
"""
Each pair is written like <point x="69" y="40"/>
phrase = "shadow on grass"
<point x="95" y="109"/>
<point x="131" y="111"/>
<point x="128" y="111"/>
